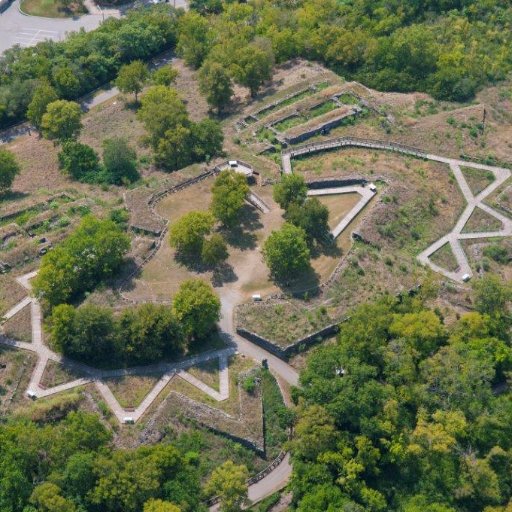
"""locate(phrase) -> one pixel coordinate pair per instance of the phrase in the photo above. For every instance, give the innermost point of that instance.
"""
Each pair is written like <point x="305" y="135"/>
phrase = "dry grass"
<point x="11" y="293"/>
<point x="445" y="258"/>
<point x="237" y="365"/>
<point x="207" y="372"/>
<point x="477" y="179"/>
<point x="19" y="327"/>
<point x="481" y="221"/>
<point x="56" y="374"/>
<point x="131" y="390"/>
<point x="339" y="205"/>
<point x="14" y="377"/>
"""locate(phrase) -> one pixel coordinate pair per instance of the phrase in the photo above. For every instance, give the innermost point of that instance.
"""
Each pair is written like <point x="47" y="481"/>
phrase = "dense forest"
<point x="405" y="413"/>
<point x="448" y="48"/>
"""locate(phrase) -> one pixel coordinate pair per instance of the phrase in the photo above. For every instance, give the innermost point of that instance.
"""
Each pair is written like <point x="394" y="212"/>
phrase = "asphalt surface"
<point x="19" y="29"/>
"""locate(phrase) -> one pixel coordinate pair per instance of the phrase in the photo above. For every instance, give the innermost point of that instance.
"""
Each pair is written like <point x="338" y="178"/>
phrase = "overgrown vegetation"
<point x="403" y="412"/>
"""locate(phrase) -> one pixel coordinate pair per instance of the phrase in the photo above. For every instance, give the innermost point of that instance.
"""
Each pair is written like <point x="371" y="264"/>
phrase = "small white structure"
<point x="256" y="297"/>
<point x="31" y="394"/>
<point x="466" y="278"/>
<point x="372" y="187"/>
<point x="237" y="166"/>
<point x="129" y="420"/>
<point x="340" y="372"/>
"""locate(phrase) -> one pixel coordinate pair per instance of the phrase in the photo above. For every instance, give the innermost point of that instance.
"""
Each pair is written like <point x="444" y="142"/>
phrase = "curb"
<point x="22" y="12"/>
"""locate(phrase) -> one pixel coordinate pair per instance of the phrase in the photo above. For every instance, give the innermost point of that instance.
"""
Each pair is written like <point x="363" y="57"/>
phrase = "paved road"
<point x="17" y="28"/>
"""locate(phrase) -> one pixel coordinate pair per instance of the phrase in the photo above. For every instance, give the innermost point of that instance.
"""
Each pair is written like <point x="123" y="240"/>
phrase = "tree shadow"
<point x="326" y="248"/>
<point x="13" y="196"/>
<point x="223" y="274"/>
<point x="307" y="283"/>
<point x="242" y="236"/>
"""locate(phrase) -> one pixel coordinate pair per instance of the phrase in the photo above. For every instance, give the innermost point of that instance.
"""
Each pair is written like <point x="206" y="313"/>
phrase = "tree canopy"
<point x="401" y="414"/>
<point x="9" y="168"/>
<point x="94" y="251"/>
<point x="228" y="196"/>
<point x="197" y="308"/>
<point x="62" y="121"/>
<point x="286" y="252"/>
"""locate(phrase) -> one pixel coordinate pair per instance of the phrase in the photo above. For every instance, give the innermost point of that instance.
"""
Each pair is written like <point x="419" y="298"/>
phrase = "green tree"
<point x="9" y="168"/>
<point x="165" y="75"/>
<point x="65" y="272"/>
<point x="120" y="161"/>
<point x="491" y="295"/>
<point x="312" y="217"/>
<point x="66" y="82"/>
<point x="197" y="308"/>
<point x="187" y="234"/>
<point x="80" y="162"/>
<point x="214" y="251"/>
<point x="291" y="189"/>
<point x="47" y="497"/>
<point x="207" y="139"/>
<point x="87" y="333"/>
<point x="252" y="67"/>
<point x="228" y="196"/>
<point x="161" y="110"/>
<point x="43" y="96"/>
<point x="229" y="482"/>
<point x="160" y="506"/>
<point x="149" y="332"/>
<point x="132" y="77"/>
<point x="215" y="85"/>
<point x="174" y="150"/>
<point x="62" y="121"/>
<point x="286" y="252"/>
<point x="194" y="38"/>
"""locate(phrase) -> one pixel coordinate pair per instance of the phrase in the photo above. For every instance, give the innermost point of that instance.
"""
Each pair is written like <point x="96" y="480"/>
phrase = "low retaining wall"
<point x="297" y="346"/>
<point x="355" y="142"/>
<point x="334" y="183"/>
<point x="321" y="128"/>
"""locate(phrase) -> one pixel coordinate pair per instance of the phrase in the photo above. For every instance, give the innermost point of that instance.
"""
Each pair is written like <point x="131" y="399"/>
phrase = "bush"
<point x="80" y="162"/>
<point x="497" y="253"/>
<point x="120" y="161"/>
<point x="9" y="168"/>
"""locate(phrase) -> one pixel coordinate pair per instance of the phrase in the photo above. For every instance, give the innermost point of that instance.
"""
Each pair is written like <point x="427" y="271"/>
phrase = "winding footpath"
<point x="456" y="235"/>
<point x="274" y="481"/>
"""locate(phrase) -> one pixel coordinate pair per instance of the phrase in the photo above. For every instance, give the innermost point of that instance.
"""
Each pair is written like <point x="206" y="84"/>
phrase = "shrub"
<point x="80" y="162"/>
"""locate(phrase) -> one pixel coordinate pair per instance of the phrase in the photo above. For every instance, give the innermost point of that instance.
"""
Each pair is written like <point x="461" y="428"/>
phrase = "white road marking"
<point x="32" y="36"/>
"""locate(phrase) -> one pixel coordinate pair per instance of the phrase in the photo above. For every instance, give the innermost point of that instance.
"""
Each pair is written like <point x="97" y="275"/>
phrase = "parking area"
<point x="32" y="36"/>
<point x="18" y="29"/>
